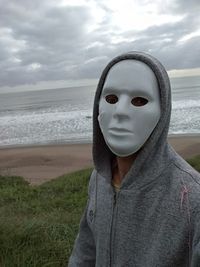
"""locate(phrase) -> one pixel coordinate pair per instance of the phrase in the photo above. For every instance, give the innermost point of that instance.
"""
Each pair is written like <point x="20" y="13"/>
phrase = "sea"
<point x="64" y="115"/>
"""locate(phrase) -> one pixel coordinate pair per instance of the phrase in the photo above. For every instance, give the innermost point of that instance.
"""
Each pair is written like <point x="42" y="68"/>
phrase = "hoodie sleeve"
<point x="195" y="219"/>
<point x="196" y="255"/>
<point x="195" y="249"/>
<point x="84" y="250"/>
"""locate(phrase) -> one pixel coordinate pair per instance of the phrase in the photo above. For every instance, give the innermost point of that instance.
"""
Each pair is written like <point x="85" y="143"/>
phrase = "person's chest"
<point x="138" y="228"/>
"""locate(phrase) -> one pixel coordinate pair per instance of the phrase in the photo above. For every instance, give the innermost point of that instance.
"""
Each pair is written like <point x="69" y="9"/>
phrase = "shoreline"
<point x="82" y="142"/>
<point x="45" y="144"/>
<point x="40" y="163"/>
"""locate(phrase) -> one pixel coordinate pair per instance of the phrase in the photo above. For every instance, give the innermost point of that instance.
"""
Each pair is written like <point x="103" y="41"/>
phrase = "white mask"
<point x="129" y="107"/>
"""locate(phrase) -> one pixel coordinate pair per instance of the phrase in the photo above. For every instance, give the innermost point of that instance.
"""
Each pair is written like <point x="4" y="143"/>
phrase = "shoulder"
<point x="189" y="180"/>
<point x="186" y="173"/>
<point x="182" y="171"/>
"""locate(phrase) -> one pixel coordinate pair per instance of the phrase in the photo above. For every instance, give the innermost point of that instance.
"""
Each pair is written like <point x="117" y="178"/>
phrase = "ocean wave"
<point x="185" y="104"/>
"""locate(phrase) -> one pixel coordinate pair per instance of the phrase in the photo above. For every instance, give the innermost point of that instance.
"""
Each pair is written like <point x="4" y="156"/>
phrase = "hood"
<point x="154" y="156"/>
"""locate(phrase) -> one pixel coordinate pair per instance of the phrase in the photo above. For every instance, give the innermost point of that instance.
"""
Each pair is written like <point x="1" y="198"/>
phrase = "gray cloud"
<point x="40" y="41"/>
<point x="53" y="38"/>
<point x="185" y="6"/>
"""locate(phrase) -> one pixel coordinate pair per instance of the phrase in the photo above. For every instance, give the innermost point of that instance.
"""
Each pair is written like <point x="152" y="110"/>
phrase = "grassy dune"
<point x="195" y="162"/>
<point x="38" y="224"/>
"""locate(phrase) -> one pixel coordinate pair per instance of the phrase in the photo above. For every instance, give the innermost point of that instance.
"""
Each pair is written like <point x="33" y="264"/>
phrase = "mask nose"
<point x="122" y="108"/>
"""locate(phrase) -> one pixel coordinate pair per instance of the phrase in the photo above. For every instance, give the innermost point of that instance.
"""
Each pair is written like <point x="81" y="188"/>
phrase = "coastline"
<point x="42" y="162"/>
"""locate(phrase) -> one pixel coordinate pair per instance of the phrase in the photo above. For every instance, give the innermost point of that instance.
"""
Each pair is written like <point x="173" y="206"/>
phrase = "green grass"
<point x="38" y="224"/>
<point x="195" y="162"/>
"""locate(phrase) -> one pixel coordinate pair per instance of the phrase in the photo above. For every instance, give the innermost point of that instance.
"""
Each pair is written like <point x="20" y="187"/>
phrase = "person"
<point x="143" y="207"/>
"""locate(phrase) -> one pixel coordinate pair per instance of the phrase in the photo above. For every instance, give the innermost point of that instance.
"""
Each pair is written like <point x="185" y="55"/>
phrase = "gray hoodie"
<point x="154" y="219"/>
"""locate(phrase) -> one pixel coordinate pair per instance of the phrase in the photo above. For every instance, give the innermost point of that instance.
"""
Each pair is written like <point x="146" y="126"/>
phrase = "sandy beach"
<point x="38" y="164"/>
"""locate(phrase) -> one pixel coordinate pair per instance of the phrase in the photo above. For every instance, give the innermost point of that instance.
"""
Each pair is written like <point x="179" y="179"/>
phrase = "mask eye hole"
<point x="111" y="99"/>
<point x="139" y="101"/>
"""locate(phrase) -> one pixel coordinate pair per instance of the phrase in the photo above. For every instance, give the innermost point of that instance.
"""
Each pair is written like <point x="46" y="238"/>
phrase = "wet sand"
<point x="38" y="164"/>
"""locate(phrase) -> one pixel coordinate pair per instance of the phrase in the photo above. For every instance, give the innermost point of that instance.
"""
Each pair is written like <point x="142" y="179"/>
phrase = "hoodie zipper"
<point x="112" y="230"/>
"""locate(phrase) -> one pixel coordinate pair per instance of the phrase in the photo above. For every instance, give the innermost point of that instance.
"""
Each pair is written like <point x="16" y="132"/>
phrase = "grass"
<point x="38" y="224"/>
<point x="195" y="162"/>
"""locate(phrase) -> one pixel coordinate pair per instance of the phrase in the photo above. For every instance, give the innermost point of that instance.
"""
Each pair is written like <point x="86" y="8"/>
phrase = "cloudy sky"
<point x="58" y="43"/>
